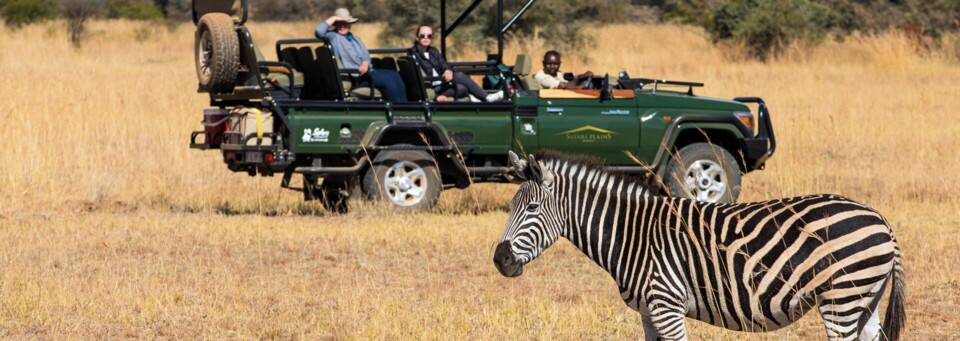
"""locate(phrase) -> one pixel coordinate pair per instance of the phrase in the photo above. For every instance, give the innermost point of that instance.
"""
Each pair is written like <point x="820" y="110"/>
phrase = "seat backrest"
<point x="332" y="88"/>
<point x="530" y="83"/>
<point x="524" y="65"/>
<point x="412" y="79"/>
<point x="289" y="55"/>
<point x="522" y="68"/>
<point x="388" y="63"/>
<point x="311" y="74"/>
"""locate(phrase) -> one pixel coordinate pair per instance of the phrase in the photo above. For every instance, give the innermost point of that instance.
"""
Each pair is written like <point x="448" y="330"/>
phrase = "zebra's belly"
<point x="754" y="320"/>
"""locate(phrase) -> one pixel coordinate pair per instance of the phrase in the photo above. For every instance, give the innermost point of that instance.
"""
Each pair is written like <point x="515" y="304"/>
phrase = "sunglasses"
<point x="425" y="36"/>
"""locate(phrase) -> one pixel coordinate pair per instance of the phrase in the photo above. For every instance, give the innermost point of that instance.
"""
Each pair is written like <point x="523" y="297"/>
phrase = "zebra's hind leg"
<point x="851" y="314"/>
<point x="870" y="328"/>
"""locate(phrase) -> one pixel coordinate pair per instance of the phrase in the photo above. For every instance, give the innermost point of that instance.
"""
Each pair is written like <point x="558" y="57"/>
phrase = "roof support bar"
<point x="444" y="30"/>
<point x="499" y="33"/>
<point x="517" y="16"/>
<point x="447" y="30"/>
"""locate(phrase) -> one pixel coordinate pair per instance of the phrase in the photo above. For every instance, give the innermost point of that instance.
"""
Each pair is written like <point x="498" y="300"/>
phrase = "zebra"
<point x="747" y="267"/>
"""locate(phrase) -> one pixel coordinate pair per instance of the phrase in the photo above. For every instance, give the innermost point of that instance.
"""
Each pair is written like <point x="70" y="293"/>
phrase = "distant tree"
<point x="559" y="23"/>
<point x="162" y="5"/>
<point x="17" y="13"/>
<point x="76" y="13"/>
<point x="132" y="9"/>
<point x="766" y="27"/>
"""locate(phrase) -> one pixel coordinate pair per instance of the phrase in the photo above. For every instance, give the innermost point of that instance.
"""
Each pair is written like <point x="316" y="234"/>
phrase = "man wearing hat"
<point x="355" y="55"/>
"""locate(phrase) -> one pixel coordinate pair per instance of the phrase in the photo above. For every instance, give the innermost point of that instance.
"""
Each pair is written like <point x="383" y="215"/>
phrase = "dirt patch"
<point x="79" y="206"/>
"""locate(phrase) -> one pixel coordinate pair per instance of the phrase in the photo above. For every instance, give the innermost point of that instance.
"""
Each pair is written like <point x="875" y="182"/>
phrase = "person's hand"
<point x="587" y="75"/>
<point x="364" y="67"/>
<point x="448" y="75"/>
<point x="441" y="98"/>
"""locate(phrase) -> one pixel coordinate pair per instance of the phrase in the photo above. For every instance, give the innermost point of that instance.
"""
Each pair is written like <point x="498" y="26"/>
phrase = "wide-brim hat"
<point x="345" y="13"/>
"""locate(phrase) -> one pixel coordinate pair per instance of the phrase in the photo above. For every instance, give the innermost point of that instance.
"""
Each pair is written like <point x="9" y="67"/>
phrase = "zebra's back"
<point x="760" y="266"/>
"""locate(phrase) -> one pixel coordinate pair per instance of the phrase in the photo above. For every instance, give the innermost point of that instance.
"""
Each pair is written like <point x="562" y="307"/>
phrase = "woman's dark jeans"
<point x="388" y="82"/>
<point x="460" y="86"/>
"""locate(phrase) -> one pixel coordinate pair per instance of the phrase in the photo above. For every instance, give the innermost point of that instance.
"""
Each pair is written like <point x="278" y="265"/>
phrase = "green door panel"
<point x="335" y="131"/>
<point x="477" y="131"/>
<point x="604" y="129"/>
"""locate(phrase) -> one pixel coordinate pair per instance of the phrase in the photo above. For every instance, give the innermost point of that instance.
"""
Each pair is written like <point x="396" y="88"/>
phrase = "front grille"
<point x="408" y="118"/>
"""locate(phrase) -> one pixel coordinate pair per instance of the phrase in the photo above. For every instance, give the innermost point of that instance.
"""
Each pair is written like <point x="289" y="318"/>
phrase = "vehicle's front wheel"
<point x="705" y="172"/>
<point x="407" y="179"/>
<point x="217" y="53"/>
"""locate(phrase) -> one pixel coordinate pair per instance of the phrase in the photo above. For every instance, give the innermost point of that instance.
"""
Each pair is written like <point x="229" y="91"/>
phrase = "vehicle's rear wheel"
<point x="705" y="172"/>
<point x="334" y="192"/>
<point x="217" y="53"/>
<point x="407" y="179"/>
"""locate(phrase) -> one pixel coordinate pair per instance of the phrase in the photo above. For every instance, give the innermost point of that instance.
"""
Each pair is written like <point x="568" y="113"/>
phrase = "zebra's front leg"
<point x="669" y="323"/>
<point x="650" y="332"/>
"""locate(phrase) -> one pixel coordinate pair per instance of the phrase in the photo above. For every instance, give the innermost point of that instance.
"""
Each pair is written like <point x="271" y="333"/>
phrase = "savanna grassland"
<point x="110" y="227"/>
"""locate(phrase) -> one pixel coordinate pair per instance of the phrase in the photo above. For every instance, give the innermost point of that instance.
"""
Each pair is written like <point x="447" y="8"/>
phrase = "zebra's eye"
<point x="533" y="207"/>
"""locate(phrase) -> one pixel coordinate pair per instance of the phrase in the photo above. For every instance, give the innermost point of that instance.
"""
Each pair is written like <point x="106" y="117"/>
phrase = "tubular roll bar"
<point x="501" y="28"/>
<point x="764" y="126"/>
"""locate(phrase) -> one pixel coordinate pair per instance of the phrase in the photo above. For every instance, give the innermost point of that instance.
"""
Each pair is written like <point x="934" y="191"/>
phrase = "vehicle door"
<point x="578" y="121"/>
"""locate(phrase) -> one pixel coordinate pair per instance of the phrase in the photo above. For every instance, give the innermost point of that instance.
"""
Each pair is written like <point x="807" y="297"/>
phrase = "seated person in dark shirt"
<point x="455" y="84"/>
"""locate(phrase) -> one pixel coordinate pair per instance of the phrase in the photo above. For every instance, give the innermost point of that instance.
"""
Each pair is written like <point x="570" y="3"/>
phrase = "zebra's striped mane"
<point x="557" y="158"/>
<point x="556" y="161"/>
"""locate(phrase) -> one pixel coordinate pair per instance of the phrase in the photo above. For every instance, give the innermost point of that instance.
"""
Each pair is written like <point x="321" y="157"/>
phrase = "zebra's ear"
<point x="519" y="166"/>
<point x="534" y="169"/>
<point x="546" y="177"/>
<point x="538" y="172"/>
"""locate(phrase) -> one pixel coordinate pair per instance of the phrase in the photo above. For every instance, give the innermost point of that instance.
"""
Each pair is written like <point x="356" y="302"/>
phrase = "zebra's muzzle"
<point x="506" y="262"/>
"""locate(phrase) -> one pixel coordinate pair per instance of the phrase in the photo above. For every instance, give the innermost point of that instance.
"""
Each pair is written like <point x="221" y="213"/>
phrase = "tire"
<point x="336" y="193"/>
<point x="407" y="179"/>
<point x="710" y="170"/>
<point x="217" y="53"/>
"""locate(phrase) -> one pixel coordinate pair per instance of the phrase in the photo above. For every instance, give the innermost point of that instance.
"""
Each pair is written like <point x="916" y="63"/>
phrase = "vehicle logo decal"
<point x="587" y="134"/>
<point x="316" y="135"/>
<point x="615" y="112"/>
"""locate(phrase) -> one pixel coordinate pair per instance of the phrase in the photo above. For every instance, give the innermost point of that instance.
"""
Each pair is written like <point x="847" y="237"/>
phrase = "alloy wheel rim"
<point x="705" y="180"/>
<point x="405" y="183"/>
<point x="206" y="51"/>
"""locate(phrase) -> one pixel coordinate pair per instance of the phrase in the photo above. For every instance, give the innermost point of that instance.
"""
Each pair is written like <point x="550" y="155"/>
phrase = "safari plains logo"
<point x="588" y="134"/>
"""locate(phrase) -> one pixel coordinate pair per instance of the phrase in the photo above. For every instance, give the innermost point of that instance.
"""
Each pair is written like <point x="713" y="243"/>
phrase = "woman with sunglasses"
<point x="449" y="83"/>
<point x="355" y="55"/>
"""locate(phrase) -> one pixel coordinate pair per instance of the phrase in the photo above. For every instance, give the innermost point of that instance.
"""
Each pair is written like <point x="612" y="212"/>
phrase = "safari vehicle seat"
<point x="416" y="91"/>
<point x="346" y="81"/>
<point x="522" y="69"/>
<point x="322" y="79"/>
<point x="388" y="63"/>
<point x="280" y="77"/>
<point x="412" y="72"/>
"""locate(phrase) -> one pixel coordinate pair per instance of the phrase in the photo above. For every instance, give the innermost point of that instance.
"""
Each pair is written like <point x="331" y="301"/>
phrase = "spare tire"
<point x="217" y="52"/>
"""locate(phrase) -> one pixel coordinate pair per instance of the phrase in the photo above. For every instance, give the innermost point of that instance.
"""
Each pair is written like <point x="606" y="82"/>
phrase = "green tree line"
<point x="764" y="27"/>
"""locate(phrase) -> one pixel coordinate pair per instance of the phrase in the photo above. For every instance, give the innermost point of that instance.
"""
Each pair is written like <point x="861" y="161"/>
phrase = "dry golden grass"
<point x="110" y="227"/>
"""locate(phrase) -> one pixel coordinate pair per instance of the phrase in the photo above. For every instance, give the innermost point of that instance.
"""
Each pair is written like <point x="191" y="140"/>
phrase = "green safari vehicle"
<point x="300" y="115"/>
